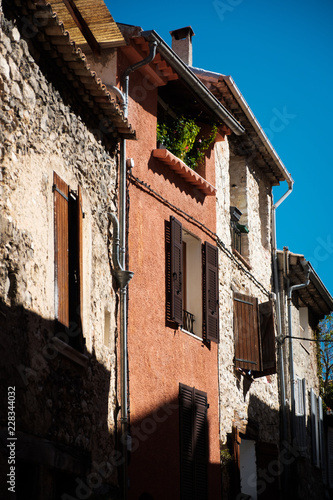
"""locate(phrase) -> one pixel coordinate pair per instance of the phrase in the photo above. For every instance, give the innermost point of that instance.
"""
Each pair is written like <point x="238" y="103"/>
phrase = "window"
<point x="254" y="336"/>
<point x="237" y="230"/>
<point x="68" y="261"/>
<point x="239" y="171"/>
<point x="192" y="283"/>
<point x="304" y="322"/>
<point x="193" y="443"/>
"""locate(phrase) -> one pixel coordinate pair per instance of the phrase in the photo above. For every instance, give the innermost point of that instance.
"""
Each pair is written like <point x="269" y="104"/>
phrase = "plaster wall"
<point x="160" y="355"/>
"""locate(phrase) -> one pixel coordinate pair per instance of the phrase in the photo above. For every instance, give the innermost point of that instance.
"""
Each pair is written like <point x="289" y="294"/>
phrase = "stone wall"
<point x="44" y="130"/>
<point x="243" y="403"/>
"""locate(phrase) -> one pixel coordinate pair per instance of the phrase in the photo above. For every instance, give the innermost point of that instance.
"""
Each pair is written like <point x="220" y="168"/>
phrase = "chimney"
<point x="182" y="43"/>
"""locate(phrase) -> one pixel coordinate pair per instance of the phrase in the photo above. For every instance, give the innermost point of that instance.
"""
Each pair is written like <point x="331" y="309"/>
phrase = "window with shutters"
<point x="254" y="335"/>
<point x="68" y="262"/>
<point x="193" y="443"/>
<point x="192" y="283"/>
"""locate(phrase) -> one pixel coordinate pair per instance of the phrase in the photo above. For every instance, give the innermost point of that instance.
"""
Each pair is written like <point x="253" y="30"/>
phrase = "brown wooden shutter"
<point x="211" y="292"/>
<point x="61" y="249"/>
<point x="200" y="444"/>
<point x="314" y="428"/>
<point x="186" y="441"/>
<point x="80" y="247"/>
<point x="246" y="332"/>
<point x="193" y="443"/>
<point x="267" y="334"/>
<point x="176" y="271"/>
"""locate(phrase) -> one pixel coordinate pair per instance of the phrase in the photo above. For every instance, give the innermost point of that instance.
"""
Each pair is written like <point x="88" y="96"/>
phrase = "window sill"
<point x="242" y="259"/>
<point x="184" y="171"/>
<point x="191" y="334"/>
<point x="70" y="353"/>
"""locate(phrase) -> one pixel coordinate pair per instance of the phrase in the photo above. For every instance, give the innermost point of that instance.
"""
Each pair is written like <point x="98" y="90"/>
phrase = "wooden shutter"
<point x="246" y="332"/>
<point x="330" y="456"/>
<point x="186" y="441"/>
<point x="176" y="271"/>
<point x="211" y="292"/>
<point x="80" y="247"/>
<point x="314" y="429"/>
<point x="61" y="263"/>
<point x="193" y="443"/>
<point x="322" y="440"/>
<point x="200" y="444"/>
<point x="267" y="334"/>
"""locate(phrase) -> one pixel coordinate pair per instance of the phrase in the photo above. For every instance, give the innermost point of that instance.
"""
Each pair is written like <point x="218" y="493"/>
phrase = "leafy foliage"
<point x="181" y="137"/>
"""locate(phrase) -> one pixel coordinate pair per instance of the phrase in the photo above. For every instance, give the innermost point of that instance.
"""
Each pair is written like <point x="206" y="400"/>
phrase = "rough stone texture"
<point x="41" y="131"/>
<point x="243" y="402"/>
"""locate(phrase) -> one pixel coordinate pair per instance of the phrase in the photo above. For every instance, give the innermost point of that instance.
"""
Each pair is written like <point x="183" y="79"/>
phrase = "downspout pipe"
<point x="278" y="306"/>
<point x="290" y="290"/>
<point x="284" y="436"/>
<point x="134" y="67"/>
<point x="123" y="276"/>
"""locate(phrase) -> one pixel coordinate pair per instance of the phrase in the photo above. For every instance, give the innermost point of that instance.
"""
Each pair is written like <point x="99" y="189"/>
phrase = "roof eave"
<point x="211" y="76"/>
<point x="191" y="79"/>
<point x="250" y="116"/>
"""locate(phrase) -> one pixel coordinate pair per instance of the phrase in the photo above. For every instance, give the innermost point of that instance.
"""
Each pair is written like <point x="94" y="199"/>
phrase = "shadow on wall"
<point x="258" y="462"/>
<point x="56" y="438"/>
<point x="250" y="458"/>
<point x="170" y="454"/>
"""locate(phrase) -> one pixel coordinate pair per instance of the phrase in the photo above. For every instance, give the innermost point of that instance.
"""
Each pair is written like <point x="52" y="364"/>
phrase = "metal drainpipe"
<point x="278" y="308"/>
<point x="290" y="290"/>
<point x="279" y="321"/>
<point x="120" y="261"/>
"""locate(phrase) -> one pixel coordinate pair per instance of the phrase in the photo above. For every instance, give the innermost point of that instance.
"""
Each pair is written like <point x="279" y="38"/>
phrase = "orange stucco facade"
<point x="160" y="355"/>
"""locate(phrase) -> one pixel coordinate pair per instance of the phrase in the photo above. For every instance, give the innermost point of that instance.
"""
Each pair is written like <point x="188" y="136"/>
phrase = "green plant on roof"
<point x="181" y="137"/>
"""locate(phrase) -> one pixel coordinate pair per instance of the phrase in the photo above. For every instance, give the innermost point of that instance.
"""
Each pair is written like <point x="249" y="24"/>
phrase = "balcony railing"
<point x="188" y="321"/>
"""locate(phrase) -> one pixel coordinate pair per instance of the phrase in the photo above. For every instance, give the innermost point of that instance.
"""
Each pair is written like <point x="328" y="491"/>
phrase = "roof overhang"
<point x="96" y="19"/>
<point x="254" y="142"/>
<point x="179" y="70"/>
<point x="57" y="43"/>
<point x="315" y="296"/>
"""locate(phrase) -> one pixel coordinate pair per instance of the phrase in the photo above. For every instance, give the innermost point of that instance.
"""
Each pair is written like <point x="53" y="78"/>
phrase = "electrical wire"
<point x="221" y="245"/>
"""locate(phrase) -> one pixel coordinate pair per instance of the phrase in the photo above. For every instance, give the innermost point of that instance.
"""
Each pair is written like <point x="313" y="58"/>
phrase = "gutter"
<point x="197" y="86"/>
<point x="320" y="287"/>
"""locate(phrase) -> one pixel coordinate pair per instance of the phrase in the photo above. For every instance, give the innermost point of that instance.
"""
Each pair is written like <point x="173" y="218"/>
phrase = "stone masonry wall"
<point x="241" y="400"/>
<point x="41" y="131"/>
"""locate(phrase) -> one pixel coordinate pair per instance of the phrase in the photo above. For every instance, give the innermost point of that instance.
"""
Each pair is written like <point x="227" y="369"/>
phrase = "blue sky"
<point x="280" y="55"/>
